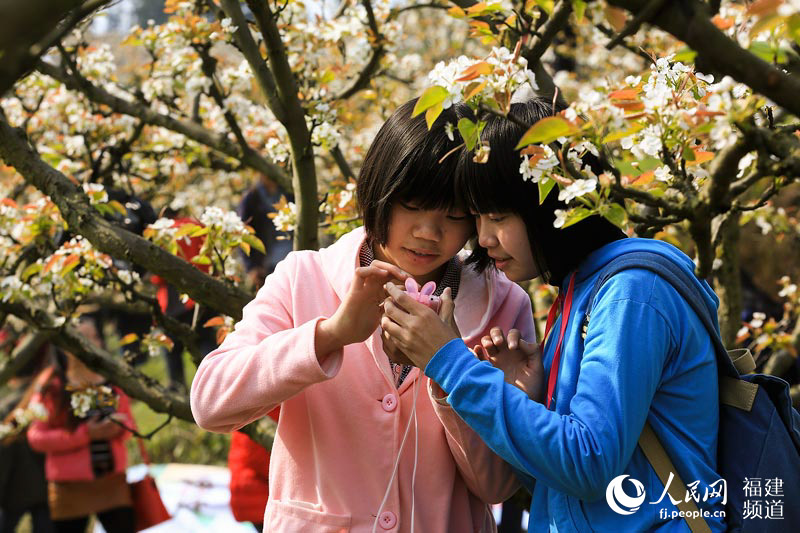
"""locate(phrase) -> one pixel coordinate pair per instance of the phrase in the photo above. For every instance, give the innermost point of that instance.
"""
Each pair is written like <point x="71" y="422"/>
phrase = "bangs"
<point x="491" y="187"/>
<point x="430" y="185"/>
<point x="496" y="186"/>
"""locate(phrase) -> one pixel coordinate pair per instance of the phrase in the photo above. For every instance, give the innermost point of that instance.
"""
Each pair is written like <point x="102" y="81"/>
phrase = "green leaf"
<point x="470" y="131"/>
<point x="793" y="27"/>
<point x="431" y="97"/>
<point x="766" y="52"/>
<point x="626" y="168"/>
<point x="545" y="186"/>
<point x="200" y="231"/>
<point x="649" y="163"/>
<point x="30" y="270"/>
<point x="546" y="131"/>
<point x="688" y="154"/>
<point x="617" y="135"/>
<point x="69" y="267"/>
<point x="186" y="229"/>
<point x="546" y="5"/>
<point x="579" y="8"/>
<point x="576" y="215"/>
<point x="201" y="260"/>
<point x="685" y="55"/>
<point x="616" y="214"/>
<point x="255" y="242"/>
<point x="432" y="114"/>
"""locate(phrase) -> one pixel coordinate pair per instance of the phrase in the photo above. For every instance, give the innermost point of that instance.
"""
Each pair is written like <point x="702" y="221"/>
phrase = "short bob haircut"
<point x="406" y="163"/>
<point x="497" y="187"/>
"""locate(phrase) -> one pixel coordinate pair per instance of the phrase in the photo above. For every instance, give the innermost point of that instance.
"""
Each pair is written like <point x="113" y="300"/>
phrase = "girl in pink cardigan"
<point x="358" y="448"/>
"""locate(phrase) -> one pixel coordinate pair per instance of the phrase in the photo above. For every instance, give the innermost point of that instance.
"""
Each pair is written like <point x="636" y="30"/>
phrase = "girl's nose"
<point x="428" y="228"/>
<point x="486" y="236"/>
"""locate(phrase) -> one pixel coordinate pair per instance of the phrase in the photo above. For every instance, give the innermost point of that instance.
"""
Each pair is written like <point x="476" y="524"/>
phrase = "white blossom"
<point x="534" y="172"/>
<point x="228" y="26"/>
<point x="80" y="403"/>
<point x="787" y="291"/>
<point x="662" y="173"/>
<point x="448" y="129"/>
<point x="576" y="189"/>
<point x="758" y="320"/>
<point x="561" y="218"/>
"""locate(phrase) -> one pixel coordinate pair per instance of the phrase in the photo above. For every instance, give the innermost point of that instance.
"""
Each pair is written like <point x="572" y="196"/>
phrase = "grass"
<point x="179" y="441"/>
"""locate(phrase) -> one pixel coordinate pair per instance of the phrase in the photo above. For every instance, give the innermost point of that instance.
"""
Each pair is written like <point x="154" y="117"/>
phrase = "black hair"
<point x="410" y="164"/>
<point x="498" y="187"/>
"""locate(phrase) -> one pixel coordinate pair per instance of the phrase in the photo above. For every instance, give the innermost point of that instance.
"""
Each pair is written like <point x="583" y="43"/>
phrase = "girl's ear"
<point x="428" y="289"/>
<point x="411" y="286"/>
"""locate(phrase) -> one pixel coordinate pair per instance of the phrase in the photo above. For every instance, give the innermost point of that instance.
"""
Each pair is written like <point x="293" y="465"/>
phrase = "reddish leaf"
<point x="216" y="321"/>
<point x="478" y="69"/>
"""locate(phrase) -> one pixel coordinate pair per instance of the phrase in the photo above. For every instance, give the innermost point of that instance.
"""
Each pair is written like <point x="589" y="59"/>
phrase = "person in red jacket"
<point x="248" y="462"/>
<point x="85" y="455"/>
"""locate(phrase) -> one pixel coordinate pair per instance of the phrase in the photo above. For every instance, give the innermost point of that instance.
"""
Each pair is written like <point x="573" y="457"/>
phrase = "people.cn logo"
<point x="618" y="499"/>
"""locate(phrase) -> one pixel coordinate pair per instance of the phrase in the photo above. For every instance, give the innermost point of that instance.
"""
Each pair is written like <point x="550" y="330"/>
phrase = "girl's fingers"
<point x="497" y="337"/>
<point x="513" y="339"/>
<point x="391" y="328"/>
<point x="448" y="305"/>
<point x="404" y="300"/>
<point x="479" y="352"/>
<point x="489" y="346"/>
<point x="530" y="349"/>
<point x="396" y="272"/>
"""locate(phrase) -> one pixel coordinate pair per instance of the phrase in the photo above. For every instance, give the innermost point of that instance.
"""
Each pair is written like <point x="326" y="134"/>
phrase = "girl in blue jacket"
<point x="570" y="427"/>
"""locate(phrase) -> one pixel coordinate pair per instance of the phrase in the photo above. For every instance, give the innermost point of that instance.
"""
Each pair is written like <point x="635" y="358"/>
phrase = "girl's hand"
<point x="414" y="328"/>
<point x="359" y="313"/>
<point x="520" y="361"/>
<point x="394" y="353"/>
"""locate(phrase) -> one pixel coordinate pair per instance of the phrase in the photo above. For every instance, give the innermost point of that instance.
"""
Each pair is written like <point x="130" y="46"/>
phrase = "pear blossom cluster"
<point x="501" y="72"/>
<point x="87" y="401"/>
<point x="21" y="419"/>
<point x="763" y="333"/>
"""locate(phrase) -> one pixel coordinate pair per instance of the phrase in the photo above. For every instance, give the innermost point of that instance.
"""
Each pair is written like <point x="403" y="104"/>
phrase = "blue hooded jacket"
<point x="646" y="356"/>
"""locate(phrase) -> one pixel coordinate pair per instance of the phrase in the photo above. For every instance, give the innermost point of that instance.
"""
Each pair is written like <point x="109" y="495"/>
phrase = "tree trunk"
<point x="728" y="281"/>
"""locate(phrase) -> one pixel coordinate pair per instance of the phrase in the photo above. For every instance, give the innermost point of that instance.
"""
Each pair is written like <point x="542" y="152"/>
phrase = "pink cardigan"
<point x="67" y="456"/>
<point x="341" y="424"/>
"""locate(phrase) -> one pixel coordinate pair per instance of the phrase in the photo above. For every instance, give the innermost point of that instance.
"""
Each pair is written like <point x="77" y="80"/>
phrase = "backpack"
<point x="759" y="430"/>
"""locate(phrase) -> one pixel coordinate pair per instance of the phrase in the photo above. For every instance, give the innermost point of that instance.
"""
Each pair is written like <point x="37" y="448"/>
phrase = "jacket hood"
<point x="479" y="295"/>
<point x="604" y="255"/>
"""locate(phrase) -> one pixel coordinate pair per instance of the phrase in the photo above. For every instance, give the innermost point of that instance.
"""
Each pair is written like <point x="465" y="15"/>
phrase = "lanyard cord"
<point x="412" y="417"/>
<point x="552" y="378"/>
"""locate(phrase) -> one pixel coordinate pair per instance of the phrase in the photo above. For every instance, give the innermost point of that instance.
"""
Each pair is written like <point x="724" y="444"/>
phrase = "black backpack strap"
<point x="687" y="286"/>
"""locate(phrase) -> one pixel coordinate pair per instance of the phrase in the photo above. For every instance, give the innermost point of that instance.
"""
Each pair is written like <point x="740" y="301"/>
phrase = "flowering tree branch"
<point x="23" y="353"/>
<point x="557" y="21"/>
<point x="28" y="29"/>
<point x="304" y="173"/>
<point x="111" y="239"/>
<point x="115" y="369"/>
<point x="191" y="130"/>
<point x="690" y="22"/>
<point x="378" y="51"/>
<point x="247" y="46"/>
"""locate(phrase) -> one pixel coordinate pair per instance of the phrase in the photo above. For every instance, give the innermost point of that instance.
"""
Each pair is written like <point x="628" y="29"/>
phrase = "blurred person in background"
<point x="254" y="209"/>
<point x="83" y="441"/>
<point x="23" y="487"/>
<point x="248" y="462"/>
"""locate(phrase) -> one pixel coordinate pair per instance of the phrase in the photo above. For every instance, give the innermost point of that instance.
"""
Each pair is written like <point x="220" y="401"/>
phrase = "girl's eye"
<point x="459" y="217"/>
<point x="497" y="218"/>
<point x="408" y="207"/>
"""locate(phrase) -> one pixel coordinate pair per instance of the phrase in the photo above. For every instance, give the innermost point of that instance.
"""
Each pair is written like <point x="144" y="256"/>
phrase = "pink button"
<point x="389" y="403"/>
<point x="387" y="520"/>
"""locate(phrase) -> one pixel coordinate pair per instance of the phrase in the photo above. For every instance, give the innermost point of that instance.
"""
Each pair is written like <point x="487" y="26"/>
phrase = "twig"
<point x="633" y="26"/>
